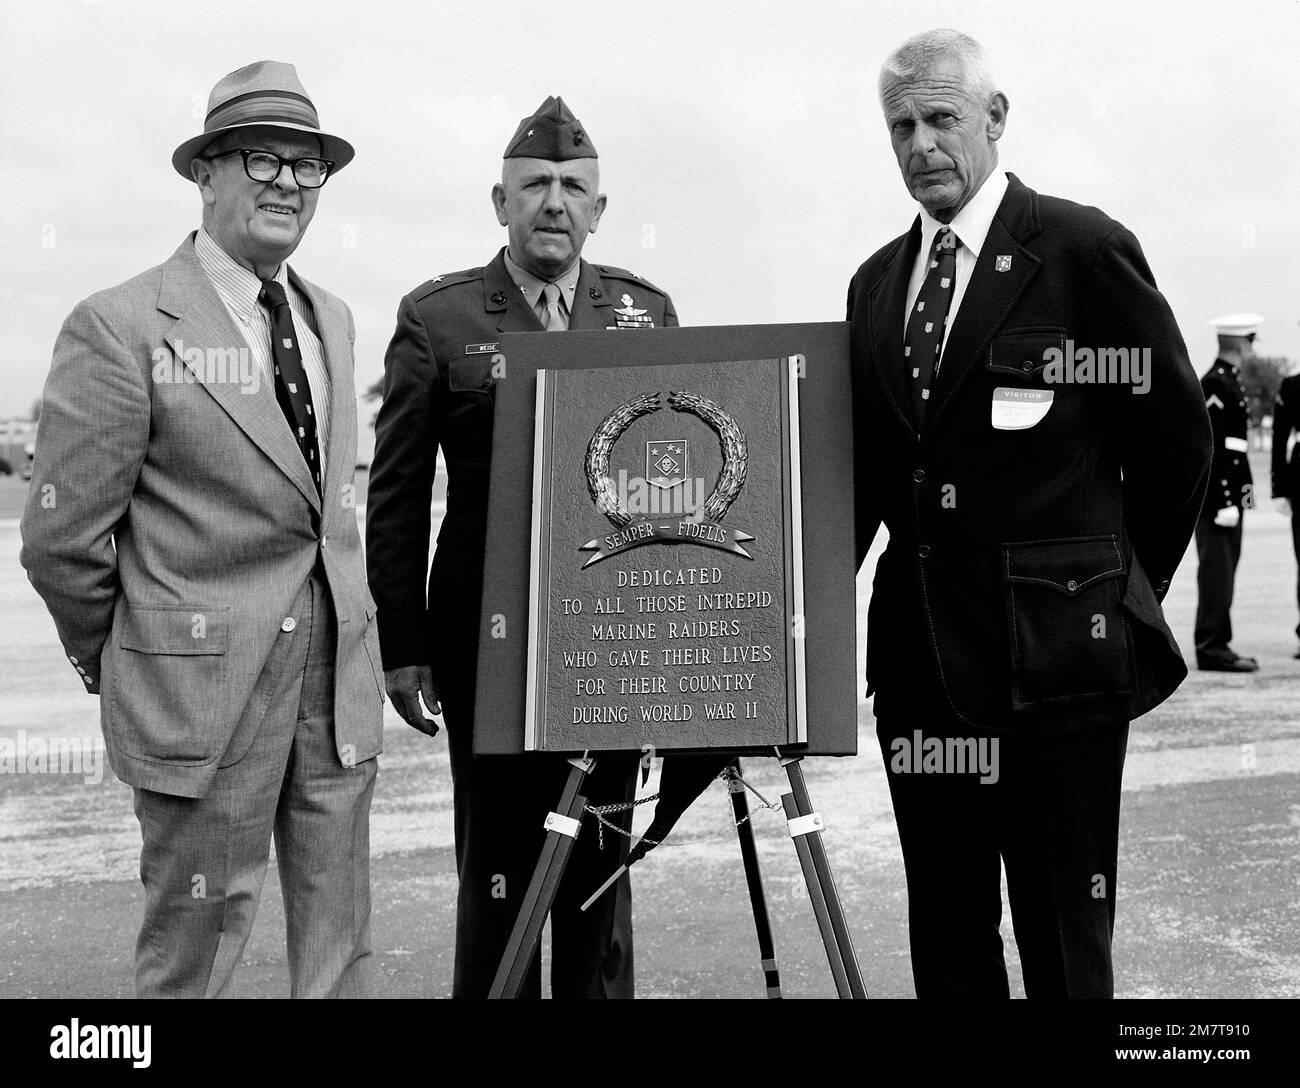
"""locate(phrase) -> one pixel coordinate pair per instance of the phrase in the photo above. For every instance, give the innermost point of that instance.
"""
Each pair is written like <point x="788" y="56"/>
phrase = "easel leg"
<point x="818" y="901"/>
<point x="527" y="932"/>
<point x="821" y="886"/>
<point x="754" y="879"/>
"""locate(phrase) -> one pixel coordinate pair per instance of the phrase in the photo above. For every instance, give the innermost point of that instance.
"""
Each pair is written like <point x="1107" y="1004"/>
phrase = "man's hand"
<point x="1283" y="507"/>
<point x="1228" y="518"/>
<point x="405" y="686"/>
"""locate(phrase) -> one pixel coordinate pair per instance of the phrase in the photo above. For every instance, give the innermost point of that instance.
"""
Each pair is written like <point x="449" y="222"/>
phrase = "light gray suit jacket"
<point x="171" y="523"/>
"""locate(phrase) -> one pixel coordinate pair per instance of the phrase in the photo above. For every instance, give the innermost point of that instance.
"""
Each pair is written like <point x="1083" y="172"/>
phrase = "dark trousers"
<point x="1051" y="816"/>
<point x="1295" y="544"/>
<point x="1218" y="551"/>
<point x="501" y="803"/>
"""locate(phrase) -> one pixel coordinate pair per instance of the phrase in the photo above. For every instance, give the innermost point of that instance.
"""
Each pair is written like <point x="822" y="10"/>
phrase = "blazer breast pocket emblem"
<point x="1019" y="409"/>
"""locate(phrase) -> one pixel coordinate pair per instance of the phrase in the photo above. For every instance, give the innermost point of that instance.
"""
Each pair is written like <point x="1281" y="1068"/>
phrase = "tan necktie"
<point x="552" y="315"/>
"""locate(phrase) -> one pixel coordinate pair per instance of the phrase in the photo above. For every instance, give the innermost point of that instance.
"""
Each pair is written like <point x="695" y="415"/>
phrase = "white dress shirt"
<point x="238" y="288"/>
<point x="971" y="226"/>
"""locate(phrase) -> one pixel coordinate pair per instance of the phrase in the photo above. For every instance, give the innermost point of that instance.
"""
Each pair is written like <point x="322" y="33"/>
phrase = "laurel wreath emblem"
<point x="731" y="439"/>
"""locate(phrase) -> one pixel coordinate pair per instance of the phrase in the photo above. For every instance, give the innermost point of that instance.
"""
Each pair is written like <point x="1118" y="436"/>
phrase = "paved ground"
<point x="1209" y="878"/>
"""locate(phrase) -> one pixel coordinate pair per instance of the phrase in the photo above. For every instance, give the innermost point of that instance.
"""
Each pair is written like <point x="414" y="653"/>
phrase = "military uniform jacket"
<point x="440" y="375"/>
<point x="1286" y="440"/>
<point x="1025" y="566"/>
<point x="1225" y="400"/>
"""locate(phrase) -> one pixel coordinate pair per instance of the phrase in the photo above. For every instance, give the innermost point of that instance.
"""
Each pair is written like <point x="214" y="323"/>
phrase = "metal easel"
<point x="805" y="827"/>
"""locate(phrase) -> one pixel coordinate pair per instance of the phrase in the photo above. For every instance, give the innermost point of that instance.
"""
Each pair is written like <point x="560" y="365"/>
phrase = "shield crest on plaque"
<point x="665" y="462"/>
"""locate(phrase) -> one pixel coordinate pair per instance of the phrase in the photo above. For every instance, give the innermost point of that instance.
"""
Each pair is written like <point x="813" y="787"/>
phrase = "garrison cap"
<point x="1237" y="324"/>
<point x="551" y="133"/>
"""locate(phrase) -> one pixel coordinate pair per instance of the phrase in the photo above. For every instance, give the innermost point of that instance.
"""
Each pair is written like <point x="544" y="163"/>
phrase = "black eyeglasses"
<point x="266" y="166"/>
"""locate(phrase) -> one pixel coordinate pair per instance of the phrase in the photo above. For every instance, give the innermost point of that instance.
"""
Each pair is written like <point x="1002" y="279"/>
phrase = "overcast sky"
<point x="741" y="145"/>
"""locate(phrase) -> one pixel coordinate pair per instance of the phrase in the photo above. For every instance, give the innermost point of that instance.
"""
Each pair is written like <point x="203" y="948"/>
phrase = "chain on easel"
<point x="601" y="822"/>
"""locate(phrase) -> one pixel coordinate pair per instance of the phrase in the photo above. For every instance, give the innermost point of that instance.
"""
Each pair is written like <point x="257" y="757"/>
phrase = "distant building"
<point x="17" y="437"/>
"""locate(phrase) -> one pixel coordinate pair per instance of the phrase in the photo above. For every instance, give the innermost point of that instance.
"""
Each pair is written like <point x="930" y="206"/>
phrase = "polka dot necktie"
<point x="291" y="387"/>
<point x="923" y="340"/>
<point x="551" y="315"/>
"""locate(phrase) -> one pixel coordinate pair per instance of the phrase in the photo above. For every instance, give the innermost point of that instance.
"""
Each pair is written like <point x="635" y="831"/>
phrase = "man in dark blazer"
<point x="192" y="528"/>
<point x="440" y="376"/>
<point x="1286" y="462"/>
<point x="1031" y="433"/>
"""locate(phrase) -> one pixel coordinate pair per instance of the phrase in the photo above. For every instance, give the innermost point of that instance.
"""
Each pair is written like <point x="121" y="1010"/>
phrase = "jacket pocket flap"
<point x="189" y="632"/>
<point x="1068" y="566"/>
<point x="470" y="373"/>
<point x="1025" y="352"/>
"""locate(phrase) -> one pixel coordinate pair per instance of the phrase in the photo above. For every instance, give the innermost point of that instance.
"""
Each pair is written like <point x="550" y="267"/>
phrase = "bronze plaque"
<point x="666" y="579"/>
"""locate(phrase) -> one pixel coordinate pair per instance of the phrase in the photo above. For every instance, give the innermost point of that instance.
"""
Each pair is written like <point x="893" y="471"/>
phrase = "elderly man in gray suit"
<point x="191" y="526"/>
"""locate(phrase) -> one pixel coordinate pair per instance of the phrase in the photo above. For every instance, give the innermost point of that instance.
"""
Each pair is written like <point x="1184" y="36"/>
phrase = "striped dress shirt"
<point x="238" y="288"/>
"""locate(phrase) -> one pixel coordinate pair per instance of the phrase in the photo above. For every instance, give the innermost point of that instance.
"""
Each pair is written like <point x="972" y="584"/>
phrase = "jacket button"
<point x="1071" y="585"/>
<point x="289" y="624"/>
<point x="923" y="551"/>
<point x="919" y="475"/>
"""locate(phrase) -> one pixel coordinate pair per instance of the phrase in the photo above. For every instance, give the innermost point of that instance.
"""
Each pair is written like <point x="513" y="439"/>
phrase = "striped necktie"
<point x="923" y="340"/>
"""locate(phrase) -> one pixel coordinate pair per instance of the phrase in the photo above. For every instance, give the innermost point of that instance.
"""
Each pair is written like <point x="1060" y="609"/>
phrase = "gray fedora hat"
<point x="266" y="92"/>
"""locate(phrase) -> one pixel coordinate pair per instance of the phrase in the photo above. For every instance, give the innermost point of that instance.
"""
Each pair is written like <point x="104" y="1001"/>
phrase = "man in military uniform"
<point x="440" y="375"/>
<point x="1218" y="530"/>
<point x="1286" y="462"/>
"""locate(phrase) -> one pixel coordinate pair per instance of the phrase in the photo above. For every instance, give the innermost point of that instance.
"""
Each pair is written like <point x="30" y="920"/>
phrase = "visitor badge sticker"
<point x="1019" y="409"/>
